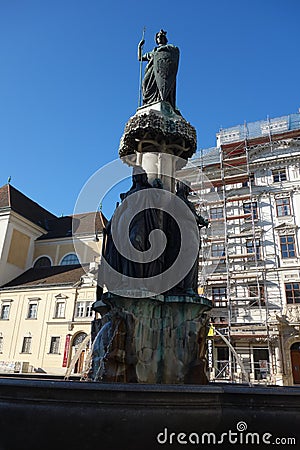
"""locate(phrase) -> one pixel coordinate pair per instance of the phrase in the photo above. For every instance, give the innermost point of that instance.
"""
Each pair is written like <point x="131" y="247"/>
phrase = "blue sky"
<point x="69" y="79"/>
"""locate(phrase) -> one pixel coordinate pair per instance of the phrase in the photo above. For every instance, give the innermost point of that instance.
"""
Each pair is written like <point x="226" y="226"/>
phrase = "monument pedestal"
<point x="158" y="339"/>
<point x="152" y="242"/>
<point x="152" y="338"/>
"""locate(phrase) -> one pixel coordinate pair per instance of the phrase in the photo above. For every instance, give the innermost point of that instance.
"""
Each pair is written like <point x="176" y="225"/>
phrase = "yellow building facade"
<point x="48" y="270"/>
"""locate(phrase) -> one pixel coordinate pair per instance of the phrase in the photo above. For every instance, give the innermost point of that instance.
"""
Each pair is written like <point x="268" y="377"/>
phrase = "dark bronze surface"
<point x="159" y="83"/>
<point x="36" y="414"/>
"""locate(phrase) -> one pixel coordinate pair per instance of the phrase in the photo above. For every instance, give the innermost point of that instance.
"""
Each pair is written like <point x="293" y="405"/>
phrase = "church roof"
<point x="45" y="276"/>
<point x="55" y="227"/>
<point x="13" y="199"/>
<point x="78" y="224"/>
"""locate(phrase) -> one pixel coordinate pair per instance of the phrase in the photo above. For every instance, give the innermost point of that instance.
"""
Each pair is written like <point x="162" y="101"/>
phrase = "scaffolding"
<point x="259" y="129"/>
<point x="234" y="247"/>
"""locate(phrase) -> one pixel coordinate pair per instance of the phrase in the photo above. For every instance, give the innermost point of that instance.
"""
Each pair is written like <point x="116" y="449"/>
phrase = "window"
<point x="251" y="209"/>
<point x="287" y="245"/>
<point x="79" y="338"/>
<point x="283" y="207"/>
<point x="216" y="213"/>
<point x="32" y="311"/>
<point x="5" y="312"/>
<point x="292" y="292"/>
<point x="54" y="344"/>
<point x="219" y="297"/>
<point x="261" y="363"/>
<point x="222" y="362"/>
<point x="251" y="179"/>
<point x="217" y="250"/>
<point x="219" y="320"/>
<point x="26" y="346"/>
<point x="84" y="309"/>
<point x="279" y="175"/>
<point x="258" y="293"/>
<point x="69" y="259"/>
<point x="44" y="261"/>
<point x="1" y="344"/>
<point x="89" y="311"/>
<point x="253" y="246"/>
<point x="80" y="309"/>
<point x="59" y="312"/>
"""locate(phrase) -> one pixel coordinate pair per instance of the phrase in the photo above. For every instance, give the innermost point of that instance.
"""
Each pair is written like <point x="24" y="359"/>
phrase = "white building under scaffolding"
<point x="250" y="257"/>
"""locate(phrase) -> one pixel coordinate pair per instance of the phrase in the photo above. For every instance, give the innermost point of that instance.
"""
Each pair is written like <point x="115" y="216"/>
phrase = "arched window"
<point x="43" y="261"/>
<point x="78" y="339"/>
<point x="81" y="357"/>
<point x="71" y="258"/>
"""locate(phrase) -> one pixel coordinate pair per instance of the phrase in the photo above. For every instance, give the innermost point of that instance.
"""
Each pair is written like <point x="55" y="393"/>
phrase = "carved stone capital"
<point x="160" y="131"/>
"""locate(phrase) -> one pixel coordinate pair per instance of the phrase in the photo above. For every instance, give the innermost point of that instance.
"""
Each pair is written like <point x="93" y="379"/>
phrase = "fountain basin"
<point x="35" y="413"/>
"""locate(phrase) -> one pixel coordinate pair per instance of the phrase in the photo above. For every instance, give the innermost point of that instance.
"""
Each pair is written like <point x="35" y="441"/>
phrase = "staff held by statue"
<point x="140" y="52"/>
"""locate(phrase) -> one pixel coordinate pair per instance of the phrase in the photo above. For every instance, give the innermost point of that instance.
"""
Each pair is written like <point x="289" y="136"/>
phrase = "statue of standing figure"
<point x="189" y="285"/>
<point x="140" y="227"/>
<point x="159" y="83"/>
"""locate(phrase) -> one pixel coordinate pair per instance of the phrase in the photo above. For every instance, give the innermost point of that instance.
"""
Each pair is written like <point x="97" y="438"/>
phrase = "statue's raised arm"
<point x="159" y="83"/>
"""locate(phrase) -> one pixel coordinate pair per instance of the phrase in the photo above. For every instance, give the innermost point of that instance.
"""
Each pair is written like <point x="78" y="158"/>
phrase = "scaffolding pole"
<point x="237" y="226"/>
<point x="256" y="249"/>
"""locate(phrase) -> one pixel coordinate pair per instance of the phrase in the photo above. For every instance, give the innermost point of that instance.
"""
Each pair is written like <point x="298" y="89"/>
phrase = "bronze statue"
<point x="189" y="284"/>
<point x="159" y="83"/>
<point x="140" y="227"/>
<point x="182" y="191"/>
<point x="153" y="323"/>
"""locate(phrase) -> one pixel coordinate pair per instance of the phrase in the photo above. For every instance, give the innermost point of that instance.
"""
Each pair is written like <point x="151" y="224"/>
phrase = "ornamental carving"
<point x="174" y="131"/>
<point x="293" y="313"/>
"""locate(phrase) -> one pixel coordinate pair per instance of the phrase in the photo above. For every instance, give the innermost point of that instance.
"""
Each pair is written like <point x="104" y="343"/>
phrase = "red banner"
<point x="67" y="349"/>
